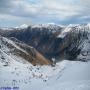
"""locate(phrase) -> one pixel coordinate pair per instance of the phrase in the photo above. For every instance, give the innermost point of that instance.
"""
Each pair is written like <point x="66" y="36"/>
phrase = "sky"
<point x="18" y="12"/>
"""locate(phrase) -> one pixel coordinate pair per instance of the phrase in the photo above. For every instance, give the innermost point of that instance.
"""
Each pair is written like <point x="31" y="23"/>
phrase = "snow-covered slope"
<point x="23" y="26"/>
<point x="13" y="50"/>
<point x="7" y="56"/>
<point x="66" y="75"/>
<point x="64" y="32"/>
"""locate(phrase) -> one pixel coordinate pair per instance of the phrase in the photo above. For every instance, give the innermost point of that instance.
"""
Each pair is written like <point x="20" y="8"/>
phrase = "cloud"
<point x="45" y="11"/>
<point x="85" y="2"/>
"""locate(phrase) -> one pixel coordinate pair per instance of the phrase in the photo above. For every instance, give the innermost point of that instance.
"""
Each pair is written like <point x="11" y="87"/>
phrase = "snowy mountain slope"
<point x="64" y="32"/>
<point x="6" y="57"/>
<point x="23" y="26"/>
<point x="66" y="75"/>
<point x="76" y="76"/>
<point x="20" y="52"/>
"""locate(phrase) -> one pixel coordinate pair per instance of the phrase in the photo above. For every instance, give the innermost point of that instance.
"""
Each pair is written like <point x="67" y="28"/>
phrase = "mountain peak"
<point x="22" y="26"/>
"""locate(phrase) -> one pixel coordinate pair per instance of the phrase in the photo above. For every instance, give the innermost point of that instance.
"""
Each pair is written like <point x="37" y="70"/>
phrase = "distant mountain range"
<point x="38" y="44"/>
